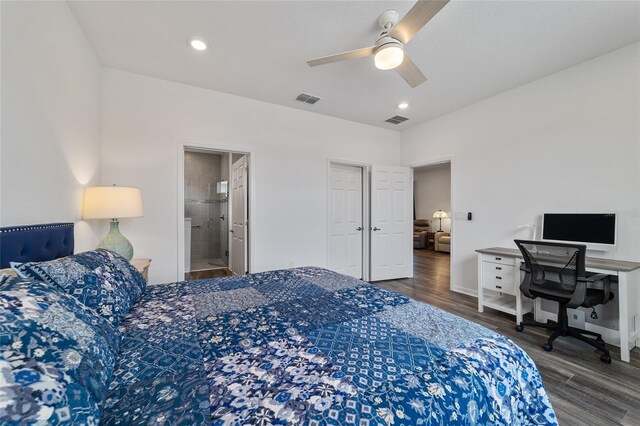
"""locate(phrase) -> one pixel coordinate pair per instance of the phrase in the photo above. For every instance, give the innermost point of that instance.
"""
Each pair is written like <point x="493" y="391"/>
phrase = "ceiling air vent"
<point x="307" y="99"/>
<point x="396" y="119"/>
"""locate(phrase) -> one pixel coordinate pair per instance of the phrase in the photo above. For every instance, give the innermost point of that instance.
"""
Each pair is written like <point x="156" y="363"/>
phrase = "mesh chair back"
<point x="553" y="266"/>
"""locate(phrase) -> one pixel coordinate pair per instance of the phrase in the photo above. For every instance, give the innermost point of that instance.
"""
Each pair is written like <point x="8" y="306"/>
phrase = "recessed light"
<point x="403" y="105"/>
<point x="198" y="43"/>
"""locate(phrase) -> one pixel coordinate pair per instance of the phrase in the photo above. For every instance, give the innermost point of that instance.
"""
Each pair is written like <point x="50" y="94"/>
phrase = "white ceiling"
<point x="471" y="50"/>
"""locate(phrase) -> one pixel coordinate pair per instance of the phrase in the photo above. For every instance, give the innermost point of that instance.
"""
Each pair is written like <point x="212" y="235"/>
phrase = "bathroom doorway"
<point x="432" y="225"/>
<point x="210" y="247"/>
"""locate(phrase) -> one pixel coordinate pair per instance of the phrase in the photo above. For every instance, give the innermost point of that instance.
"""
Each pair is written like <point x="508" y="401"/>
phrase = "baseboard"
<point x="463" y="290"/>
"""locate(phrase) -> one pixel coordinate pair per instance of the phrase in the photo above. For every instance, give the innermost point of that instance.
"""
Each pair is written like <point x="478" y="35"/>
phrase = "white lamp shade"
<point x="389" y="56"/>
<point x="440" y="214"/>
<point x="112" y="202"/>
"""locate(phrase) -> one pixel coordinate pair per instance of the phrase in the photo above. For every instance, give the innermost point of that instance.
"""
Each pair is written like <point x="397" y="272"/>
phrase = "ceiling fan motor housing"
<point x="388" y="19"/>
<point x="384" y="42"/>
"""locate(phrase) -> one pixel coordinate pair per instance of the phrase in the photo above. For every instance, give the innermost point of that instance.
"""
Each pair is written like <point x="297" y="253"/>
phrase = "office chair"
<point x="556" y="271"/>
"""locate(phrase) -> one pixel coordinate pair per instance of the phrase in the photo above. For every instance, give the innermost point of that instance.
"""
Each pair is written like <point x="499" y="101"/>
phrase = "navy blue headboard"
<point x="35" y="243"/>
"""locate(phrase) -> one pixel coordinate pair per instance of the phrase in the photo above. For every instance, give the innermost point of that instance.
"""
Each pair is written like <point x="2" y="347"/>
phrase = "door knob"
<point x="376" y="229"/>
<point x="359" y="228"/>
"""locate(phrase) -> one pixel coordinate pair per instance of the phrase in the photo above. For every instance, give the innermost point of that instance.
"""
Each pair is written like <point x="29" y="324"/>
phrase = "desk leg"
<point x="537" y="309"/>
<point x="518" y="307"/>
<point x="480" y="288"/>
<point x="519" y="296"/>
<point x="633" y="280"/>
<point x="623" y="306"/>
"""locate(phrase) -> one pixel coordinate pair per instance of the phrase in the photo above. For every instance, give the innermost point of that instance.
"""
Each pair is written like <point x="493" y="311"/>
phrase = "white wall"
<point x="145" y="118"/>
<point x="432" y="192"/>
<point x="569" y="142"/>
<point x="50" y="138"/>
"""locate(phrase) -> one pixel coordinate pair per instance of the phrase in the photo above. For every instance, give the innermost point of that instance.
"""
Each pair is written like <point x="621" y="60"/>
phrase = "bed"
<point x="310" y="346"/>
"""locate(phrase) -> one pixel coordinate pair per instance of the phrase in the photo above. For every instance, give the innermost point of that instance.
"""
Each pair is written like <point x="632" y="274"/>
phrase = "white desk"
<point x="504" y="292"/>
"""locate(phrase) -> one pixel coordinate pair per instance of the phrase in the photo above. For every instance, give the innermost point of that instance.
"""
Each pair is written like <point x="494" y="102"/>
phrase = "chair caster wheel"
<point x="548" y="347"/>
<point x="519" y="327"/>
<point x="606" y="358"/>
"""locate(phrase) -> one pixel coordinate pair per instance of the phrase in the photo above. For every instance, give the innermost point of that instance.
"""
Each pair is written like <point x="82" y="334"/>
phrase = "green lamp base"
<point x="117" y="242"/>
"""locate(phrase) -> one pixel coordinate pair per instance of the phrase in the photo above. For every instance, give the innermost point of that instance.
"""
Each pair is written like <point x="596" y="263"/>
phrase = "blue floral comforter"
<point x="309" y="346"/>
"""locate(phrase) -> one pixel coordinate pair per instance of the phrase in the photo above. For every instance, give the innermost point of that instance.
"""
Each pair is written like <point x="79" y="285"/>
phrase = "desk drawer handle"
<point x="498" y="278"/>
<point x="499" y="286"/>
<point x="498" y="268"/>
<point x="498" y="258"/>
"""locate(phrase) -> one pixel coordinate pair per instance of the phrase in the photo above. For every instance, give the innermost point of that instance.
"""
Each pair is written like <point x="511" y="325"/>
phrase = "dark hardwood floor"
<point x="207" y="273"/>
<point x="583" y="390"/>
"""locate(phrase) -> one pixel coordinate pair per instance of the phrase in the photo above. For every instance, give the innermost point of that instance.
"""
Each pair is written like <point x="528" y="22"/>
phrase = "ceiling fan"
<point x="388" y="52"/>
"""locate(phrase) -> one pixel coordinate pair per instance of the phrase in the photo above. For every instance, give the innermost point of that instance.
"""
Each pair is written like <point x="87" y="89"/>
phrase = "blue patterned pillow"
<point x="44" y="323"/>
<point x="101" y="279"/>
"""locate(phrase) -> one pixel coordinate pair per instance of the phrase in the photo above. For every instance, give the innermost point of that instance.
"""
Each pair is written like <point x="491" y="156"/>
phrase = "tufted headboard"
<point x="35" y="243"/>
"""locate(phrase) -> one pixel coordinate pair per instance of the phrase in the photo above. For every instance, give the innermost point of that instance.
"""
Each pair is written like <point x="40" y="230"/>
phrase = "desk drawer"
<point x="499" y="259"/>
<point x="499" y="277"/>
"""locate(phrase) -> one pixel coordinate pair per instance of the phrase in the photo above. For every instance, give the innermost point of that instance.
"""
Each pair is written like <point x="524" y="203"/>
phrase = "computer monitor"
<point x="597" y="231"/>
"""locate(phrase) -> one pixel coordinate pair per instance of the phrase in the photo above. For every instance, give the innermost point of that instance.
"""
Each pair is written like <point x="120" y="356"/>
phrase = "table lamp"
<point x="439" y="215"/>
<point x="113" y="202"/>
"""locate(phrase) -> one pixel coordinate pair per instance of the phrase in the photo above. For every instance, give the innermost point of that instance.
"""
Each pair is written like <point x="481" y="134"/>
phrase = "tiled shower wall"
<point x="202" y="172"/>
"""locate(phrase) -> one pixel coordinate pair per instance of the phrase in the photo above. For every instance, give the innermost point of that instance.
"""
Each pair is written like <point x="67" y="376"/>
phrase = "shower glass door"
<point x="217" y="225"/>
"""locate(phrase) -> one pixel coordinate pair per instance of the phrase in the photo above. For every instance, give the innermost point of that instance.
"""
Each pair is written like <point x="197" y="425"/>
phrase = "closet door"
<point x="345" y="220"/>
<point x="391" y="224"/>
<point x="238" y="231"/>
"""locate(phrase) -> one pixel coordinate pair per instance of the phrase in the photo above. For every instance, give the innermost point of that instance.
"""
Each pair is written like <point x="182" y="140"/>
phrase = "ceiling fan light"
<point x="389" y="56"/>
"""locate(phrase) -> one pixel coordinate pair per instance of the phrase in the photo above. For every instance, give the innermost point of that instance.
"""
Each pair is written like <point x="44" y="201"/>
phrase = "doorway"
<point x="432" y="226"/>
<point x="215" y="210"/>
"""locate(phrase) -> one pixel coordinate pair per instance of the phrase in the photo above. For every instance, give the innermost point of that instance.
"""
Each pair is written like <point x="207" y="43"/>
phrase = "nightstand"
<point x="142" y="265"/>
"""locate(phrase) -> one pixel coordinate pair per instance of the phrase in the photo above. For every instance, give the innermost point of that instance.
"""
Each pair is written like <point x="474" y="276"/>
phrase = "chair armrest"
<point x="441" y="234"/>
<point x="606" y="284"/>
<point x="594" y="278"/>
<point x="526" y="282"/>
<point x="578" y="296"/>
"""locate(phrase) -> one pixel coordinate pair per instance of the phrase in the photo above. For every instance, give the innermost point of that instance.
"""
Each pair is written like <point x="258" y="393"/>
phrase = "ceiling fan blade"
<point x="352" y="54"/>
<point x="416" y="18"/>
<point x="410" y="72"/>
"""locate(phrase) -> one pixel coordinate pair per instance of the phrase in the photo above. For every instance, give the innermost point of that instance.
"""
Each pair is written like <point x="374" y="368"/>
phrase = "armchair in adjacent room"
<point x="443" y="242"/>
<point x="556" y="271"/>
<point x="420" y="229"/>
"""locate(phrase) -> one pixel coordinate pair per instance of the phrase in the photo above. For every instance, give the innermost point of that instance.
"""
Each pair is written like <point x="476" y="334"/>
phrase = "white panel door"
<point x="345" y="220"/>
<point x="238" y="240"/>
<point x="391" y="224"/>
